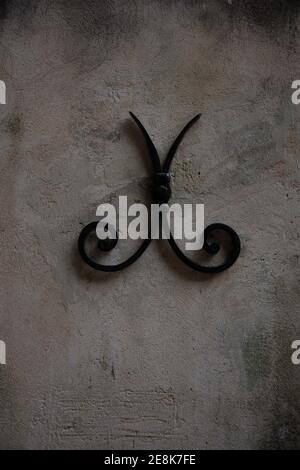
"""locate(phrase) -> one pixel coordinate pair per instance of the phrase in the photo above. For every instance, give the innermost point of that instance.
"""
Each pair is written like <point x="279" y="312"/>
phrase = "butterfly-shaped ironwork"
<point x="161" y="195"/>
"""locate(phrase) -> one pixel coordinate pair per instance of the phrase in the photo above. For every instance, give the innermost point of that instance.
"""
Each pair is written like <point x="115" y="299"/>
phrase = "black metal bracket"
<point x="162" y="194"/>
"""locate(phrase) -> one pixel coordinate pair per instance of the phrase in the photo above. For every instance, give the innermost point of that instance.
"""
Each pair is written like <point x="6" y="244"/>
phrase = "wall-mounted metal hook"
<point x="162" y="194"/>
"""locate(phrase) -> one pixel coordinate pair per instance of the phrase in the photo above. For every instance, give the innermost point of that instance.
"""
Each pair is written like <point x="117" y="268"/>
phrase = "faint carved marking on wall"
<point x="129" y="414"/>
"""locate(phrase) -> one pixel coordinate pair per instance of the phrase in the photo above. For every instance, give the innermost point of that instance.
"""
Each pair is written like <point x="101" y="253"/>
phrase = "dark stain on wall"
<point x="267" y="14"/>
<point x="109" y="18"/>
<point x="21" y="11"/>
<point x="3" y="9"/>
<point x="14" y="125"/>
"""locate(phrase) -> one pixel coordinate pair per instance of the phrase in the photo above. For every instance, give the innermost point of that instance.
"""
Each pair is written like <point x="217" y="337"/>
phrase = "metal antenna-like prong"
<point x="151" y="147"/>
<point x="174" y="146"/>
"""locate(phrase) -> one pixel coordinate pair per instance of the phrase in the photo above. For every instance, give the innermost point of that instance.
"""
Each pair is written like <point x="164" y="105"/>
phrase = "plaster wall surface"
<point x="156" y="356"/>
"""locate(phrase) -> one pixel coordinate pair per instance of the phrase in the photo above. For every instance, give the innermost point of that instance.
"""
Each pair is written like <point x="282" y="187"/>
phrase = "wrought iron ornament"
<point x="161" y="194"/>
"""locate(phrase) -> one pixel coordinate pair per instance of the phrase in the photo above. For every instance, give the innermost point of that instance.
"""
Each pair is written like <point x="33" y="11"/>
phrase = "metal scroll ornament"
<point x="161" y="195"/>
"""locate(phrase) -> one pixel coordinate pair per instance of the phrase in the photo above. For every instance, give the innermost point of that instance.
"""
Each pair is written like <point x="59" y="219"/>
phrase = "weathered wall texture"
<point x="157" y="356"/>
